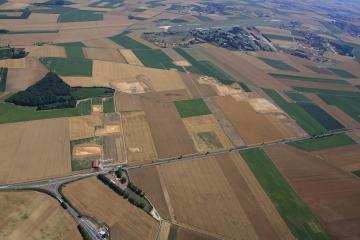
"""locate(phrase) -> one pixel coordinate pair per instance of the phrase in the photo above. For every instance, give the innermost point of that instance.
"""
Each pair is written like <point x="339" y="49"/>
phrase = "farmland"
<point x="338" y="140"/>
<point x="294" y="212"/>
<point x="308" y="79"/>
<point x="68" y="66"/>
<point x="155" y="58"/>
<point x="278" y="64"/>
<point x="321" y="186"/>
<point x="190" y="108"/>
<point x="128" y="42"/>
<point x="232" y="194"/>
<point x="124" y="219"/>
<point x="305" y="120"/>
<point x="33" y="215"/>
<point x="3" y="78"/>
<point x="25" y="159"/>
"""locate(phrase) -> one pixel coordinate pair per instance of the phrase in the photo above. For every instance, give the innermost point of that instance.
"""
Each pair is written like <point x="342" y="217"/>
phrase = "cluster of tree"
<point x="121" y="192"/>
<point x="52" y="92"/>
<point x="136" y="190"/>
<point x="48" y="93"/>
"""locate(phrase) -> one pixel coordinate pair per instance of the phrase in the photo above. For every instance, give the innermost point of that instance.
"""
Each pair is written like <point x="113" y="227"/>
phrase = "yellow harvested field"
<point x="138" y="140"/>
<point x="284" y="43"/>
<point x="93" y="198"/>
<point x="46" y="51"/>
<point x="13" y="63"/>
<point x="34" y="150"/>
<point x="151" y="12"/>
<point x="127" y="102"/>
<point x="202" y="191"/>
<point x="262" y="105"/>
<point x="41" y="18"/>
<point x="86" y="150"/>
<point x="33" y="215"/>
<point x="110" y="74"/>
<point x="104" y="54"/>
<point x="101" y="43"/>
<point x="108" y="129"/>
<point x="206" y="133"/>
<point x="21" y="78"/>
<point x="130" y="57"/>
<point x="83" y="126"/>
<point x="253" y="60"/>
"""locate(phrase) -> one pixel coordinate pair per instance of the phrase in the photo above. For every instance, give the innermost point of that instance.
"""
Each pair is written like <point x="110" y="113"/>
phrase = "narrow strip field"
<point x="307" y="79"/>
<point x="294" y="212"/>
<point x="334" y="141"/>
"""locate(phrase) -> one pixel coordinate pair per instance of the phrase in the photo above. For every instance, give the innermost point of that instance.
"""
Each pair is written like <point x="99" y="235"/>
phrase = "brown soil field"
<point x="13" y="63"/>
<point x="32" y="215"/>
<point x="46" y="51"/>
<point x="332" y="194"/>
<point x="240" y="69"/>
<point x="254" y="61"/>
<point x="83" y="151"/>
<point x="164" y="230"/>
<point x="83" y="126"/>
<point x="148" y="180"/>
<point x="187" y="234"/>
<point x="21" y="78"/>
<point x="103" y="54"/>
<point x="346" y="158"/>
<point x="330" y="86"/>
<point x="226" y="126"/>
<point x="173" y="54"/>
<point x="200" y="202"/>
<point x="168" y="131"/>
<point x="206" y="133"/>
<point x="130" y="57"/>
<point x="93" y="198"/>
<point x="196" y="89"/>
<point x="254" y="128"/>
<point x="284" y="43"/>
<point x="139" y="143"/>
<point x="100" y="43"/>
<point x="34" y="150"/>
<point x="126" y="102"/>
<point x="337" y="113"/>
<point x="97" y="109"/>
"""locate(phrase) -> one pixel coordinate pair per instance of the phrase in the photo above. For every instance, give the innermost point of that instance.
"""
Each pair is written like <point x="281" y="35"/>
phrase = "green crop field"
<point x="72" y="44"/>
<point x="305" y="120"/>
<point x="320" y="70"/>
<point x="307" y="79"/>
<point x="315" y="144"/>
<point x="192" y="107"/>
<point x="297" y="97"/>
<point x="13" y="113"/>
<point x="109" y="105"/>
<point x="4" y="31"/>
<point x="7" y="13"/>
<point x="127" y="42"/>
<point x="91" y="92"/>
<point x="205" y="68"/>
<point x="295" y="213"/>
<point x="80" y="16"/>
<point x="342" y="73"/>
<point x="74" y="52"/>
<point x="321" y="116"/>
<point x="68" y="66"/>
<point x="204" y="18"/>
<point x="155" y="58"/>
<point x="3" y="78"/>
<point x="278" y="64"/>
<point x="244" y="87"/>
<point x="278" y="37"/>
